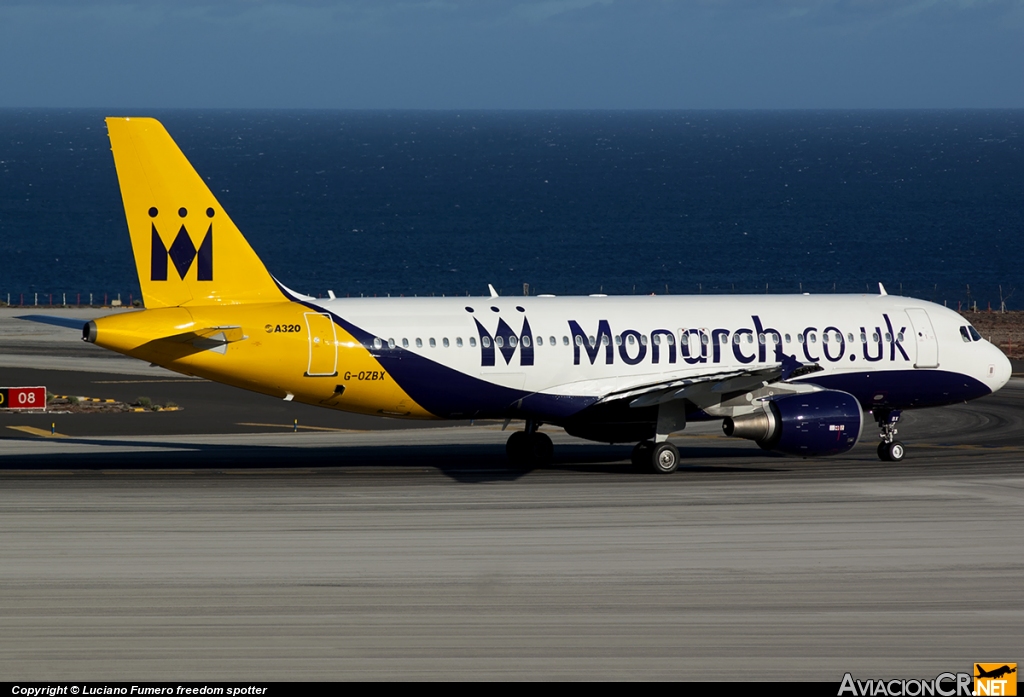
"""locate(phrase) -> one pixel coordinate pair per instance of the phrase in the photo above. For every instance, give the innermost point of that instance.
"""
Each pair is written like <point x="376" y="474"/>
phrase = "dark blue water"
<point x="569" y="202"/>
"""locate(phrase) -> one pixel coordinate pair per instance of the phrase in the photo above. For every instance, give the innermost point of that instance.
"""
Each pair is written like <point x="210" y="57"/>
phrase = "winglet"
<point x="881" y="289"/>
<point x="494" y="293"/>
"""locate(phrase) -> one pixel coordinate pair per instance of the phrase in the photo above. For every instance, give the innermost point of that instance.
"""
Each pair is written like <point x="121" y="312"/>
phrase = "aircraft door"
<point x="323" y="345"/>
<point x="924" y="338"/>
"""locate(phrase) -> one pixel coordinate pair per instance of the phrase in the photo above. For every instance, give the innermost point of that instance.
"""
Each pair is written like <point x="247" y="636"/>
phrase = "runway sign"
<point x="23" y="398"/>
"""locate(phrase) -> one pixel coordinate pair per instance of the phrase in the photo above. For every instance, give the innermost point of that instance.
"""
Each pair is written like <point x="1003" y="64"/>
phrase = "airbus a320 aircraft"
<point x="795" y="374"/>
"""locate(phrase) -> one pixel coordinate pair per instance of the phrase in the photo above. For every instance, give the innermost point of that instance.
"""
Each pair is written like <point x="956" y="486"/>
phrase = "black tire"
<point x="517" y="448"/>
<point x="664" y="458"/>
<point x="896" y="451"/>
<point x="883" y="451"/>
<point x="641" y="456"/>
<point x="540" y="449"/>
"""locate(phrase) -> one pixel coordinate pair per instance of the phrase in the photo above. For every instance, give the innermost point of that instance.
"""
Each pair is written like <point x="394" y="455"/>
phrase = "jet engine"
<point x="808" y="424"/>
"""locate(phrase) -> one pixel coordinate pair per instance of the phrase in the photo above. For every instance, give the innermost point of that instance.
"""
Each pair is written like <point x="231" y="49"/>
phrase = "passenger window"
<point x="472" y="341"/>
<point x="618" y="339"/>
<point x="444" y="342"/>
<point x="813" y="337"/>
<point x="760" y="338"/>
<point x="565" y="340"/>
<point x="391" y="343"/>
<point x="631" y="340"/>
<point x="458" y="342"/>
<point x="874" y="336"/>
<point x="405" y="343"/>
<point x="579" y="340"/>
<point x="656" y="339"/>
<point x="736" y="339"/>
<point x="605" y="340"/>
<point x="498" y="341"/>
<point x="377" y="342"/>
<point x="486" y="341"/>
<point x="643" y="339"/>
<point x="526" y="341"/>
<point x="888" y="336"/>
<point x="899" y="337"/>
<point x="799" y="338"/>
<point x="863" y="338"/>
<point x="824" y="338"/>
<point x="552" y="341"/>
<point x="704" y="338"/>
<point x="433" y="344"/>
<point x="419" y="342"/>
<point x="788" y="338"/>
<point x="849" y="337"/>
<point x="513" y="340"/>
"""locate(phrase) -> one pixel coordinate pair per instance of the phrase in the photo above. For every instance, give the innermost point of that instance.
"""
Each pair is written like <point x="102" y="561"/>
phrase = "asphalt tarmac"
<point x="232" y="553"/>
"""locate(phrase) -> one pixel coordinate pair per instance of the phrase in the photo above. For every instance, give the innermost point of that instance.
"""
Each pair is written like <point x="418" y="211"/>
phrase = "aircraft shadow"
<point x="463" y="463"/>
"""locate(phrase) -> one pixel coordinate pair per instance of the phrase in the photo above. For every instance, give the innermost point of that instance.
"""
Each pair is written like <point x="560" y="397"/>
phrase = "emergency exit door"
<point x="924" y="337"/>
<point x="323" y="345"/>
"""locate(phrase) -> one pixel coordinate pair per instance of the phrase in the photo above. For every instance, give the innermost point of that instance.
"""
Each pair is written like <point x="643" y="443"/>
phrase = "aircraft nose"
<point x="999" y="369"/>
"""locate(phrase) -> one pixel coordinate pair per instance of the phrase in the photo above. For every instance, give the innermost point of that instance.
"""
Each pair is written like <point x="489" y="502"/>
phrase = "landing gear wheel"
<point x="641" y="456"/>
<point x="891" y="452"/>
<point x="525" y="448"/>
<point x="665" y="458"/>
<point x="540" y="448"/>
<point x="517" y="447"/>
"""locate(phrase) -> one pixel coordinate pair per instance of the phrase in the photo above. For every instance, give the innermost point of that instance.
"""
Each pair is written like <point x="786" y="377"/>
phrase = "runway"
<point x="264" y="554"/>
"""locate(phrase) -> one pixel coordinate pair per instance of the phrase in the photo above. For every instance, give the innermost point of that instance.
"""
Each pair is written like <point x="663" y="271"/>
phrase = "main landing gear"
<point x="529" y="447"/>
<point x="662" y="457"/>
<point x="890" y="449"/>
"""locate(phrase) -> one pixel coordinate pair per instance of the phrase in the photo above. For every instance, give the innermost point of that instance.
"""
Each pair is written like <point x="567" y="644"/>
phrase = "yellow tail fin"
<point x="187" y="250"/>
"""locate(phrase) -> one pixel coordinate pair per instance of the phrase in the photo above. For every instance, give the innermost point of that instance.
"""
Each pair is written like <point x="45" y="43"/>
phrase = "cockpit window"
<point x="969" y="333"/>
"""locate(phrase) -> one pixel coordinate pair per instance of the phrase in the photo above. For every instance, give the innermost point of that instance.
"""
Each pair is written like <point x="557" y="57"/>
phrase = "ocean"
<point x="930" y="203"/>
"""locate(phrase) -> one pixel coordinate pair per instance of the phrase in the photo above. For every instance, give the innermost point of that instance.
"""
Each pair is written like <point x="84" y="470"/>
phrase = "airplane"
<point x="797" y="374"/>
<point x="995" y="673"/>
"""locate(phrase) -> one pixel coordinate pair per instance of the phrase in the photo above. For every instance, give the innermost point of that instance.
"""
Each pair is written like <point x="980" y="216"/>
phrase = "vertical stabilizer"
<point x="187" y="250"/>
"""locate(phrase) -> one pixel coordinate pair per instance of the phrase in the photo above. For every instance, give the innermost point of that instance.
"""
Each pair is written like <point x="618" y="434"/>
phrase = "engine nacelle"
<point x="808" y="424"/>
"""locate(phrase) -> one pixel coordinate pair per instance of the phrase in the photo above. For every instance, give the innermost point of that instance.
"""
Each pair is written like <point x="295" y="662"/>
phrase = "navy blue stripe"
<point x="903" y="389"/>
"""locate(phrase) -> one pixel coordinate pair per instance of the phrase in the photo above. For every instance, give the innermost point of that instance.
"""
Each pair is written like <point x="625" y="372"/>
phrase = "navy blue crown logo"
<point x="182" y="252"/>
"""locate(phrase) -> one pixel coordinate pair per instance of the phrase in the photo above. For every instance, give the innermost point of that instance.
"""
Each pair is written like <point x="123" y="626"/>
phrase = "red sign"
<point x="22" y="398"/>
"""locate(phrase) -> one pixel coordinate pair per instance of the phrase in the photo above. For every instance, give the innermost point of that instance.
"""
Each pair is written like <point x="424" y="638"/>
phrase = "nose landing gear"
<point x="890" y="449"/>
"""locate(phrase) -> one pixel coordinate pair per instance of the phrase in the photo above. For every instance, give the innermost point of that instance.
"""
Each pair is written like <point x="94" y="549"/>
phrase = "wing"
<point x="717" y="383"/>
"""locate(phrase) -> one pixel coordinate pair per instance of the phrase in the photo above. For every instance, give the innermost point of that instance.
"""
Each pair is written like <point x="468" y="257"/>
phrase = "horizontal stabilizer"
<point x="208" y="339"/>
<point x="223" y="335"/>
<point x="66" y="322"/>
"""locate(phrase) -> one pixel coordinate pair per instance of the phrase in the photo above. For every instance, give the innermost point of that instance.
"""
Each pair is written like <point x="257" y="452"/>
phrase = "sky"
<point x="512" y="54"/>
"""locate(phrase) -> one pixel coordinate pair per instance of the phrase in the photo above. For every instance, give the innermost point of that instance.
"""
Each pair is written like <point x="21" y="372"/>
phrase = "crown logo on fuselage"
<point x="182" y="252"/>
